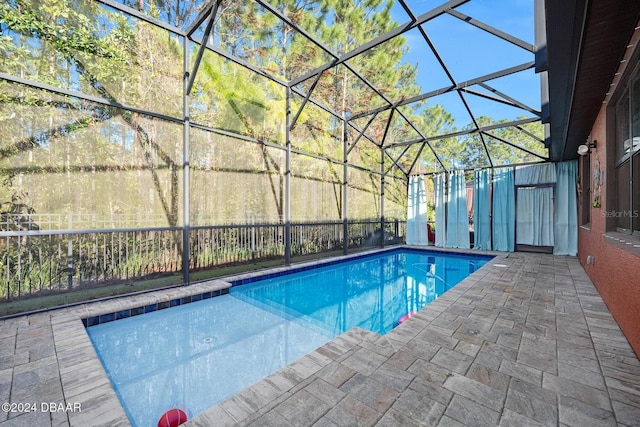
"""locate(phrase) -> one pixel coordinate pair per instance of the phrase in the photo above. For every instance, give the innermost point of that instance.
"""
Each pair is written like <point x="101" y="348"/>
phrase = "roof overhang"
<point x="586" y="41"/>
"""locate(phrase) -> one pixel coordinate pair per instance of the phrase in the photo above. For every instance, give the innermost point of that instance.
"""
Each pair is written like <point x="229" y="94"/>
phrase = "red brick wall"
<point x="615" y="272"/>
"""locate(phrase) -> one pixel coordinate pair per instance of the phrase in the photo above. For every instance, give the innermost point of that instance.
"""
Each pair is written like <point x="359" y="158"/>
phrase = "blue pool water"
<point x="196" y="355"/>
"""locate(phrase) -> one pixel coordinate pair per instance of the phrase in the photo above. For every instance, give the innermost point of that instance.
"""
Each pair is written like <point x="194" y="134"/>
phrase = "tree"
<point x="502" y="145"/>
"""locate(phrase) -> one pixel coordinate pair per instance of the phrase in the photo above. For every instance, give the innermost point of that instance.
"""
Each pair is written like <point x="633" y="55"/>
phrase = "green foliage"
<point x="66" y="33"/>
<point x="528" y="138"/>
<point x="63" y="155"/>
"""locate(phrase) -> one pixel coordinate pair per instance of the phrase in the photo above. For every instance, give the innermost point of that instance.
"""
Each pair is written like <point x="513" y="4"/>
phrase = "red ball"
<point x="405" y="317"/>
<point x="172" y="418"/>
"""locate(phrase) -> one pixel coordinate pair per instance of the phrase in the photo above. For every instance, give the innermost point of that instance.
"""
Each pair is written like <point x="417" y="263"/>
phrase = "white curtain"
<point x="534" y="216"/>
<point x="417" y="212"/>
<point x="503" y="210"/>
<point x="534" y="210"/>
<point x="439" y="185"/>
<point x="544" y="173"/>
<point x="457" y="212"/>
<point x="481" y="210"/>
<point x="566" y="218"/>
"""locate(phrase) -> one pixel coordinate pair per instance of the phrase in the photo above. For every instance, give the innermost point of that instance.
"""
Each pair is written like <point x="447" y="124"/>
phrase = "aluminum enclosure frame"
<point x="208" y="15"/>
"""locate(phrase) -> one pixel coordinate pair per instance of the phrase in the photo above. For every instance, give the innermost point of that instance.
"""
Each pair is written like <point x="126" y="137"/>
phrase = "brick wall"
<point x="616" y="270"/>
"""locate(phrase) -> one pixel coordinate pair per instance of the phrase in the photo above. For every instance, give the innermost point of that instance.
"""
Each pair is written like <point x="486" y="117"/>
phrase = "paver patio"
<point x="527" y="340"/>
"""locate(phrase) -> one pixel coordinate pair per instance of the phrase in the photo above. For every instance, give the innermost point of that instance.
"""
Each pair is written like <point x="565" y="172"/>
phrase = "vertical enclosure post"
<point x="382" y="182"/>
<point x="253" y="238"/>
<point x="69" y="255"/>
<point x="287" y="182"/>
<point x="491" y="210"/>
<point x="185" y="165"/>
<point x="345" y="174"/>
<point x="446" y="207"/>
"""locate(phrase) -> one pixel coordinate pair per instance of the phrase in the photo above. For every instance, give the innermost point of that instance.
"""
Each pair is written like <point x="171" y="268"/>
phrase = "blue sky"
<point x="470" y="52"/>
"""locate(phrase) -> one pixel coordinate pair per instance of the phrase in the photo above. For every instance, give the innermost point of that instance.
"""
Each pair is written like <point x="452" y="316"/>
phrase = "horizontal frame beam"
<point x="447" y="89"/>
<point x="505" y="141"/>
<point x="514" y="123"/>
<point x="142" y="16"/>
<point x="425" y="17"/>
<point x="85" y="97"/>
<point x="489" y="29"/>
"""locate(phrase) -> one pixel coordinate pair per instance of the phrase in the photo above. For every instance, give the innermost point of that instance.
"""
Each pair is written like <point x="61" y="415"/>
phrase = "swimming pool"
<point x="195" y="355"/>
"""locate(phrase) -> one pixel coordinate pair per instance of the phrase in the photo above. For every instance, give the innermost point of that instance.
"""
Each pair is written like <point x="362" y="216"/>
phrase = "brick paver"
<point x="526" y="340"/>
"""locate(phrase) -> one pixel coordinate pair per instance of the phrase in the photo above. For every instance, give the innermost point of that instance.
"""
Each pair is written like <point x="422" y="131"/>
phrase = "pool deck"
<point x="526" y="340"/>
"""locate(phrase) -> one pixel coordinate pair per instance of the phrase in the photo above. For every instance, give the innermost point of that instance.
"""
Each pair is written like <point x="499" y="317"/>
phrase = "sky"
<point x="469" y="52"/>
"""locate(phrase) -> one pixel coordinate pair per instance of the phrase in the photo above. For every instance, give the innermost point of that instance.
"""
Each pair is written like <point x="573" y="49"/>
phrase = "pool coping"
<point x="83" y="378"/>
<point x="100" y="312"/>
<point x="85" y="381"/>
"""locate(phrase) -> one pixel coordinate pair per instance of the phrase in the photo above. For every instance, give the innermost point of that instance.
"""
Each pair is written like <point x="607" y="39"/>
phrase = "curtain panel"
<point x="481" y="210"/>
<point x="504" y="217"/>
<point x="544" y="173"/>
<point x="534" y="216"/>
<point x="457" y="213"/>
<point x="566" y="213"/>
<point x="439" y="186"/>
<point x="417" y="212"/>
